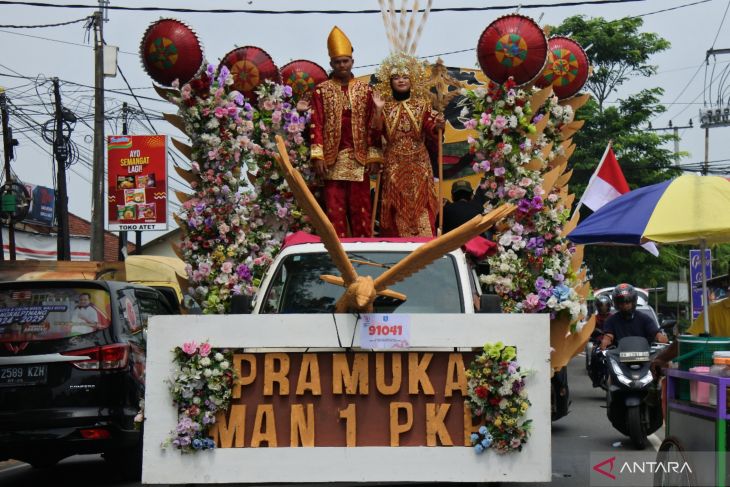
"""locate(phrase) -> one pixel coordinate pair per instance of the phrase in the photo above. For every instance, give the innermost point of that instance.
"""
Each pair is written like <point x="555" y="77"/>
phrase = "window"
<point x="297" y="287"/>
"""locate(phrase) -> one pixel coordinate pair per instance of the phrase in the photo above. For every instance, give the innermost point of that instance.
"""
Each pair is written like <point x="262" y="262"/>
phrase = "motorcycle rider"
<point x="596" y="362"/>
<point x="627" y="322"/>
<point x="603" y="311"/>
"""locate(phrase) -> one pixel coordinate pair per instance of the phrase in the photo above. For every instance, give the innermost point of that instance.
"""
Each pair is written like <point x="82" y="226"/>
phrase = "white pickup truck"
<point x="293" y="284"/>
<point x="448" y="285"/>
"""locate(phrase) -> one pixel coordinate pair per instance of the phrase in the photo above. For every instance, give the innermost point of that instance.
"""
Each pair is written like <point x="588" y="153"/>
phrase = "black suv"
<point x="72" y="369"/>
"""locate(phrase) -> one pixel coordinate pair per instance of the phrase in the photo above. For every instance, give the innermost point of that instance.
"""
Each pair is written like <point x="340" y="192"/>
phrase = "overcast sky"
<point x="64" y="52"/>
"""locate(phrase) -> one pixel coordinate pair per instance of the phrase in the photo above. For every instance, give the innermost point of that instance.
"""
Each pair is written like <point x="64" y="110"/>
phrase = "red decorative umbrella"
<point x="170" y="50"/>
<point x="513" y="45"/>
<point x="302" y="76"/>
<point x="567" y="67"/>
<point x="250" y="66"/>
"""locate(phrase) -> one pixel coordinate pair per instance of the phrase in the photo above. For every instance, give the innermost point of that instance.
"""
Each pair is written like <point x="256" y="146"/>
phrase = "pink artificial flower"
<point x="525" y="182"/>
<point x="532" y="301"/>
<point x="470" y="140"/>
<point x="204" y="349"/>
<point x="268" y="105"/>
<point x="190" y="348"/>
<point x="486" y="119"/>
<point x="281" y="211"/>
<point x="226" y="267"/>
<point x="220" y="112"/>
<point x="470" y="124"/>
<point x="276" y="117"/>
<point x="500" y="122"/>
<point x="499" y="171"/>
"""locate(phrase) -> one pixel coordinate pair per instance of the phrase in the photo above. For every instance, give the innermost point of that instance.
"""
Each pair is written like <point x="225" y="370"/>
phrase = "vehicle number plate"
<point x="22" y="375"/>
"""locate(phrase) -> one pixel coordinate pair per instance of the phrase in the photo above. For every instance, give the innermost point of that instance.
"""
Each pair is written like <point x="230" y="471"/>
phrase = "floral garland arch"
<point x="233" y="225"/>
<point x="522" y="139"/>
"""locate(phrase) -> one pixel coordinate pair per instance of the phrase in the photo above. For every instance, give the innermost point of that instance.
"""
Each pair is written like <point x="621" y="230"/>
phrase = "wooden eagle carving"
<point x="360" y="291"/>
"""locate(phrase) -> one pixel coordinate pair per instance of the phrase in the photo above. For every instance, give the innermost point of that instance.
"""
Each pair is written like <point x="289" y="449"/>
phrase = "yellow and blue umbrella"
<point x="689" y="209"/>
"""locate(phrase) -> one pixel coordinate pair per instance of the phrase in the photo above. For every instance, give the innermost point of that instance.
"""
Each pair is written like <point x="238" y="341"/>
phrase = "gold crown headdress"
<point x="403" y="42"/>
<point x="338" y="44"/>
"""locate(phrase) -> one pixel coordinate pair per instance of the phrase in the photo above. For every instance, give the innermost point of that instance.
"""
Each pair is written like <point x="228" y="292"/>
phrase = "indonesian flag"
<point x="606" y="184"/>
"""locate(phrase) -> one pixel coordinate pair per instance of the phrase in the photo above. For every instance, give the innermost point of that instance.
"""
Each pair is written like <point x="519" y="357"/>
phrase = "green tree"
<point x="620" y="52"/>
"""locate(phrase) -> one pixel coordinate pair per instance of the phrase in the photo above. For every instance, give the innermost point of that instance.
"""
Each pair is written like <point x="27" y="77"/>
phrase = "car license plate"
<point x="22" y="375"/>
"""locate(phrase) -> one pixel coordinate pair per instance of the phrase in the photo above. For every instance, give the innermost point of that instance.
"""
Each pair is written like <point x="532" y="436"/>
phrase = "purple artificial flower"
<point x="537" y="203"/>
<point x="244" y="272"/>
<point x="223" y="75"/>
<point x="287" y="91"/>
<point x="523" y="206"/>
<point x="540" y="283"/>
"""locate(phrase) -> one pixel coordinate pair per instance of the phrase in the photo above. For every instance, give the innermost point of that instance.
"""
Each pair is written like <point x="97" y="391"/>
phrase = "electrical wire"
<point x="307" y="12"/>
<point x="11" y="26"/>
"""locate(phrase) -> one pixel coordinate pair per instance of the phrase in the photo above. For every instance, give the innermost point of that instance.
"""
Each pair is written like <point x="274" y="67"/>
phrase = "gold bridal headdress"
<point x="403" y="36"/>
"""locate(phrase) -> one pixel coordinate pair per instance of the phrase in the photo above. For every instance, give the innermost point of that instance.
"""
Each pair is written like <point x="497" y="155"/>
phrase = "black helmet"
<point x="625" y="293"/>
<point x="603" y="304"/>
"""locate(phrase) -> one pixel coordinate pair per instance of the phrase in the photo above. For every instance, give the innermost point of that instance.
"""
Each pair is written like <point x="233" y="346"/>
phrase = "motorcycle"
<point x="559" y="395"/>
<point x="633" y="398"/>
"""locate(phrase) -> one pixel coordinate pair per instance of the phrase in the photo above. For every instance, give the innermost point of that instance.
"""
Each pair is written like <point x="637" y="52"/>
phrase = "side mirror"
<point x="668" y="324"/>
<point x="240" y="305"/>
<point x="490" y="303"/>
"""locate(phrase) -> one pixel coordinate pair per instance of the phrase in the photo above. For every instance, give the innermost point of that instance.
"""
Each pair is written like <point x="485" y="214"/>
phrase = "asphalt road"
<point x="586" y="429"/>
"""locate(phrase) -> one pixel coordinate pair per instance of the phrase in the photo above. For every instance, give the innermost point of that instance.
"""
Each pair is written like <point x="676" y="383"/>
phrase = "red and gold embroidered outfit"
<point x="409" y="203"/>
<point x="340" y="136"/>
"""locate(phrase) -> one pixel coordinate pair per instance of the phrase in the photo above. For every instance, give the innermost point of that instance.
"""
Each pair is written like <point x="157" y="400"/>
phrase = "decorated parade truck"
<point x="287" y="377"/>
<point x="400" y="393"/>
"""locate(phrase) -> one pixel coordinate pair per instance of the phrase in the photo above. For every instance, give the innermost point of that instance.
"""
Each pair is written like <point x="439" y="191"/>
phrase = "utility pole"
<point x="706" y="165"/>
<point x="61" y="154"/>
<point x="8" y="144"/>
<point x="97" y="180"/>
<point x="713" y="115"/>
<point x="675" y="129"/>
<point x="123" y="234"/>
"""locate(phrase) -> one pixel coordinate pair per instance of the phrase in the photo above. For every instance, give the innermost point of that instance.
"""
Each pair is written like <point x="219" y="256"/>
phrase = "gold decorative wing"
<point x="319" y="220"/>
<point x="427" y="253"/>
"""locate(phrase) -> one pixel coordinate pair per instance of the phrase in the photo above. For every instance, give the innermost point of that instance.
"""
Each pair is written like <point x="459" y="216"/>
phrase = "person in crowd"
<point x="627" y="321"/>
<point x="409" y="127"/>
<point x="603" y="311"/>
<point x="465" y="204"/>
<point x="341" y="119"/>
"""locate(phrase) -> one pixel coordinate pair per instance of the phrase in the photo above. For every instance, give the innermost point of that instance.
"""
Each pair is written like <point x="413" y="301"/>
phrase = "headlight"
<point x="619" y="373"/>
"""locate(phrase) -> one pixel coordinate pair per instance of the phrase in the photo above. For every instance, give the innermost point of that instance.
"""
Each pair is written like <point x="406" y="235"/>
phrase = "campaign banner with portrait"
<point x="137" y="182"/>
<point x="42" y="205"/>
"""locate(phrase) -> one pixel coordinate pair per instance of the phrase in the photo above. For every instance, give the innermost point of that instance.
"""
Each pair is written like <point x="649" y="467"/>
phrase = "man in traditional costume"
<point x="410" y="128"/>
<point x="342" y="110"/>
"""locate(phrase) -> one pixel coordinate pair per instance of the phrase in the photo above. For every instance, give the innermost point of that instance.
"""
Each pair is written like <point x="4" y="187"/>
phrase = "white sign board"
<point x="430" y="332"/>
<point x="677" y="292"/>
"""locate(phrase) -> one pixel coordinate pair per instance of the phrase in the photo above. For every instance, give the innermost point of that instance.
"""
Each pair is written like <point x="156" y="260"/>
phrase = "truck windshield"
<point x="297" y="288"/>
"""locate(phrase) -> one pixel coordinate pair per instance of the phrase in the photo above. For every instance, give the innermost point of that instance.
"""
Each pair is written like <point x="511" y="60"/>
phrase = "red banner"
<point x="137" y="182"/>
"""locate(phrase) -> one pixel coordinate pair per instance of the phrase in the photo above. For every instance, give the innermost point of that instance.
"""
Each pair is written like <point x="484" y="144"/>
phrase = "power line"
<point x="306" y="12"/>
<point x="11" y="26"/>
